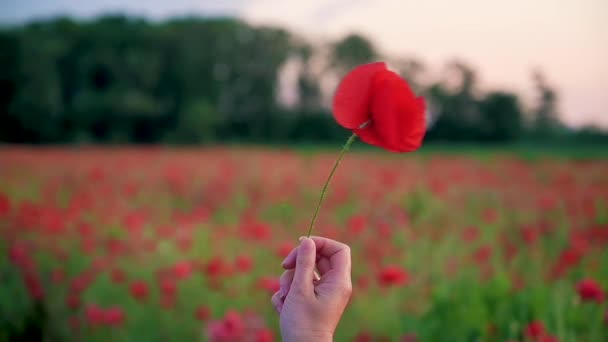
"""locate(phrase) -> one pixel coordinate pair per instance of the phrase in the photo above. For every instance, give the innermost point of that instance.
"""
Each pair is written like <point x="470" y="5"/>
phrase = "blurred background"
<point x="201" y="72"/>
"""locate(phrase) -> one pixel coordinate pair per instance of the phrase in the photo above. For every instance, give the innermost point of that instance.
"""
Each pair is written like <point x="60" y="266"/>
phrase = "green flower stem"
<point x="331" y="174"/>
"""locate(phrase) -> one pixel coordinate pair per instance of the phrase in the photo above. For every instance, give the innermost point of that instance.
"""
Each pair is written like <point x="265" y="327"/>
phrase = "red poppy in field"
<point x="230" y="328"/>
<point x="264" y="335"/>
<point x="95" y="315"/>
<point x="33" y="285"/>
<point x="114" y="316"/>
<point x="269" y="284"/>
<point x="118" y="275"/>
<point x="482" y="254"/>
<point x="535" y="330"/>
<point x="381" y="108"/>
<point x="530" y="234"/>
<point x="243" y="263"/>
<point x="284" y="249"/>
<point x="182" y="269"/>
<point x="73" y="301"/>
<point x="215" y="267"/>
<point x="168" y="287"/>
<point x="5" y="205"/>
<point x="364" y="337"/>
<point x="139" y="290"/>
<point x="393" y="276"/>
<point x="202" y="313"/>
<point x="409" y="337"/>
<point x="470" y="234"/>
<point x="589" y="290"/>
<point x="356" y="224"/>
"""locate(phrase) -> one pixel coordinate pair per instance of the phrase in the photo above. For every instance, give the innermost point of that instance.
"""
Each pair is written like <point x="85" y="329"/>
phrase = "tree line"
<point x="119" y="79"/>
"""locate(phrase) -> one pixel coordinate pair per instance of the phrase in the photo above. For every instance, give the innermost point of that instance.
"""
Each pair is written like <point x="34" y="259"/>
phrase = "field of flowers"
<point x="155" y="244"/>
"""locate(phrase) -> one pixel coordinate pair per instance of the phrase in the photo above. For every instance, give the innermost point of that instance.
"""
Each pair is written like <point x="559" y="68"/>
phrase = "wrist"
<point x="307" y="336"/>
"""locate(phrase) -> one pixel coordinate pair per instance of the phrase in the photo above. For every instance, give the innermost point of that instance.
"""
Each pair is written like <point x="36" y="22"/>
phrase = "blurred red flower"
<point x="264" y="335"/>
<point x="182" y="269"/>
<point x="230" y="328"/>
<point x="33" y="285"/>
<point x="379" y="106"/>
<point x="356" y="224"/>
<point x="409" y="337"/>
<point x="117" y="275"/>
<point x="5" y="205"/>
<point x="243" y="263"/>
<point x="284" y="249"/>
<point x="269" y="284"/>
<point x="215" y="267"/>
<point x="530" y="234"/>
<point x="114" y="316"/>
<point x="470" y="234"/>
<point x="364" y="337"/>
<point x="202" y="313"/>
<point x="139" y="290"/>
<point x="393" y="276"/>
<point x="535" y="330"/>
<point x="58" y="276"/>
<point x="168" y="287"/>
<point x="483" y="254"/>
<point x="73" y="301"/>
<point x="95" y="315"/>
<point x="590" y="290"/>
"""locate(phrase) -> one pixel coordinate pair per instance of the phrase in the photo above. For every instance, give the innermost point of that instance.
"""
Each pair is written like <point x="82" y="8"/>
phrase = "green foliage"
<point x="118" y="79"/>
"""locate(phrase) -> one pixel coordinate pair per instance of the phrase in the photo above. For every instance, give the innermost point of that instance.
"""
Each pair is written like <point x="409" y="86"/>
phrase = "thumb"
<point x="305" y="266"/>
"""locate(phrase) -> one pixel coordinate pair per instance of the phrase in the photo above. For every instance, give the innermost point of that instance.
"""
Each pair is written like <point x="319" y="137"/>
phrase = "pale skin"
<point x="309" y="305"/>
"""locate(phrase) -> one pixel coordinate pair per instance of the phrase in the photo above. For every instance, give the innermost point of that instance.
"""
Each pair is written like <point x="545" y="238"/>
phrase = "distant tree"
<point x="501" y="117"/>
<point x="351" y="51"/>
<point x="545" y="113"/>
<point x="197" y="124"/>
<point x="454" y="105"/>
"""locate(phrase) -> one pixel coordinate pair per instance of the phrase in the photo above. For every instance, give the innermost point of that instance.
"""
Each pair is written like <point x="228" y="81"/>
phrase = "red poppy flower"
<point x="5" y="205"/>
<point x="589" y="290"/>
<point x="269" y="284"/>
<point x="379" y="106"/>
<point x="168" y="287"/>
<point x="393" y="275"/>
<point x="114" y="316"/>
<point x="73" y="301"/>
<point x="202" y="313"/>
<point x="215" y="267"/>
<point x="139" y="290"/>
<point x="535" y="330"/>
<point x="264" y="335"/>
<point x="284" y="249"/>
<point x="243" y="263"/>
<point x="182" y="269"/>
<point x="95" y="315"/>
<point x="118" y="275"/>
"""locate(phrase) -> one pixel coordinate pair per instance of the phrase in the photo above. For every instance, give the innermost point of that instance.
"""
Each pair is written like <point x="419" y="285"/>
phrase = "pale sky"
<point x="503" y="40"/>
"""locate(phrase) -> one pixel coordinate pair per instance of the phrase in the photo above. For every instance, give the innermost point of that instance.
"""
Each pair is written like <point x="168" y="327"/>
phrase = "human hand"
<point x="309" y="308"/>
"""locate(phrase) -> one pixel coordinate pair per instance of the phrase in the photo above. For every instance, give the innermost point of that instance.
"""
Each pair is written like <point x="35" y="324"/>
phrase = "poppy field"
<point x="159" y="244"/>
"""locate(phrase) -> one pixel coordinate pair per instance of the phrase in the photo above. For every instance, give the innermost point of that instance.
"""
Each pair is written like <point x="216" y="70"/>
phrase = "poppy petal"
<point x="398" y="115"/>
<point x="353" y="95"/>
